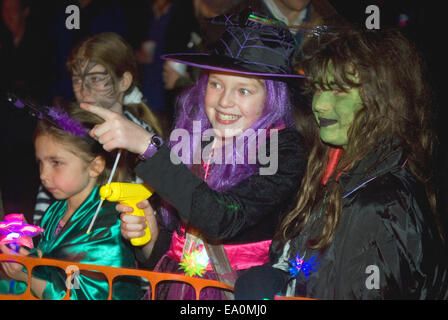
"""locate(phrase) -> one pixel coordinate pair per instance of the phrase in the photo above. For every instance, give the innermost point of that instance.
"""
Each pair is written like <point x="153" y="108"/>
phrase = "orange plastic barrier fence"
<point x="111" y="273"/>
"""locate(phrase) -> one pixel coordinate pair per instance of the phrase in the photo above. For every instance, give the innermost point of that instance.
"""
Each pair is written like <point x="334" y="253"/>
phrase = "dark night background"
<point x="19" y="176"/>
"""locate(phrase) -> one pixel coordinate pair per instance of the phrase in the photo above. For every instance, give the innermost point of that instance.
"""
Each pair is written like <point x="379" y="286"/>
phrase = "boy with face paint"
<point x="365" y="225"/>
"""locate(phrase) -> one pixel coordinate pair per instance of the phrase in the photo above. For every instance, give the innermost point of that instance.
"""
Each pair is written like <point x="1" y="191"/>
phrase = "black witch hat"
<point x="252" y="44"/>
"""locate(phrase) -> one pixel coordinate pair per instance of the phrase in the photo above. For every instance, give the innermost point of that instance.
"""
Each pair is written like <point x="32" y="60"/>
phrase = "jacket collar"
<point x="371" y="166"/>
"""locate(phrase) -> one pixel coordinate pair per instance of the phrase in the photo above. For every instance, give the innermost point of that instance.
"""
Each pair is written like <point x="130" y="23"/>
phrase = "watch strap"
<point x="154" y="145"/>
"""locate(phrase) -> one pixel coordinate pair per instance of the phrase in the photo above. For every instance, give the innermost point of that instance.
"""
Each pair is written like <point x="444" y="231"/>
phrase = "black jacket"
<point x="247" y="212"/>
<point x="386" y="236"/>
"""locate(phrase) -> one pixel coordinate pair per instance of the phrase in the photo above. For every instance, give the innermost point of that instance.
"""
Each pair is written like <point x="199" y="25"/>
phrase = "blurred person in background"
<point x="96" y="16"/>
<point x="24" y="70"/>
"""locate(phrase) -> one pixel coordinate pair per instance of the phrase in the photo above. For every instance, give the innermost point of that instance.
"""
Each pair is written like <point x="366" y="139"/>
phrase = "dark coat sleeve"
<point x="259" y="283"/>
<point x="393" y="250"/>
<point x="246" y="212"/>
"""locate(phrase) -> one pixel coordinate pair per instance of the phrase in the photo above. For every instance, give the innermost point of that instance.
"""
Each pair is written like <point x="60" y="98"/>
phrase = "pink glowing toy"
<point x="14" y="230"/>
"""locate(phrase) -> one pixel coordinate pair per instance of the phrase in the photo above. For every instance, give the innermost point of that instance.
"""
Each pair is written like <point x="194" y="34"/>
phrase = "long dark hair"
<point x="390" y="75"/>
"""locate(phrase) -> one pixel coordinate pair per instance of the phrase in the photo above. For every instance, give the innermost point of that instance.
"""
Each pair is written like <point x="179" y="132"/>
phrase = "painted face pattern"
<point x="334" y="111"/>
<point x="93" y="84"/>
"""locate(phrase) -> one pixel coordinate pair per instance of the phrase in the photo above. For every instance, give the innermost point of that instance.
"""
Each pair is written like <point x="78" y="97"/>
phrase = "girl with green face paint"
<point x="335" y="105"/>
<point x="334" y="111"/>
<point x="365" y="224"/>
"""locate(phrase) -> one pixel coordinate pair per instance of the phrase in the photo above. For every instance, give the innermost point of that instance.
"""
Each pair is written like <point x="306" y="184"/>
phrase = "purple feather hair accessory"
<point x="66" y="123"/>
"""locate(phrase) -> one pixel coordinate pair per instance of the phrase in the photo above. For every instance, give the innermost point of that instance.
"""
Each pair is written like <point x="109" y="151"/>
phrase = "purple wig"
<point x="190" y="108"/>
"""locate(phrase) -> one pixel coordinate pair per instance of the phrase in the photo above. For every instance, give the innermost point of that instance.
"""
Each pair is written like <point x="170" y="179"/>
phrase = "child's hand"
<point x="134" y="226"/>
<point x="12" y="269"/>
<point x="117" y="131"/>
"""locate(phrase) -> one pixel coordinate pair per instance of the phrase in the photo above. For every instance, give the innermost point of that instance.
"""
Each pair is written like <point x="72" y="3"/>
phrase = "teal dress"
<point x="104" y="246"/>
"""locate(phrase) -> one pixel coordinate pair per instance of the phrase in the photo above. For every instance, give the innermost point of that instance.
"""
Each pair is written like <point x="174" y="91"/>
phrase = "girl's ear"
<point x="125" y="81"/>
<point x="97" y="166"/>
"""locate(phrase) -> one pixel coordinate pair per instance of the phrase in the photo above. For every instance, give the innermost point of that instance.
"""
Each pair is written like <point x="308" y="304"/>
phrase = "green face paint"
<point x="334" y="111"/>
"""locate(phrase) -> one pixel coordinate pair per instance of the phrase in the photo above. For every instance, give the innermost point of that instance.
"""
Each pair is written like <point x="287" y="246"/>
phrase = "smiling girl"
<point x="233" y="103"/>
<point x="222" y="216"/>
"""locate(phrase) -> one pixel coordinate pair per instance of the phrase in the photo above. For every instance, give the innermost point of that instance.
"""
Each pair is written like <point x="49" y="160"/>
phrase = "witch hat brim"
<point x="222" y="64"/>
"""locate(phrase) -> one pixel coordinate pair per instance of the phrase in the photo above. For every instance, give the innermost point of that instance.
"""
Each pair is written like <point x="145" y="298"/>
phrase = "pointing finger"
<point x="99" y="111"/>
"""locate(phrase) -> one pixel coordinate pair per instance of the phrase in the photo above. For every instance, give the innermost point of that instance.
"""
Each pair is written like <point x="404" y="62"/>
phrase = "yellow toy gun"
<point x="129" y="194"/>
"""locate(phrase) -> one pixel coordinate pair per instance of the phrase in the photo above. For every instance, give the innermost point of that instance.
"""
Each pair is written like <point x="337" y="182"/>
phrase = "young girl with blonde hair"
<point x="104" y="72"/>
<point x="72" y="168"/>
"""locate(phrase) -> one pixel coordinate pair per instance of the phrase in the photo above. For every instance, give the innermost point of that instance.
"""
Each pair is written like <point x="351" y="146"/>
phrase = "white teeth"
<point x="227" y="117"/>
